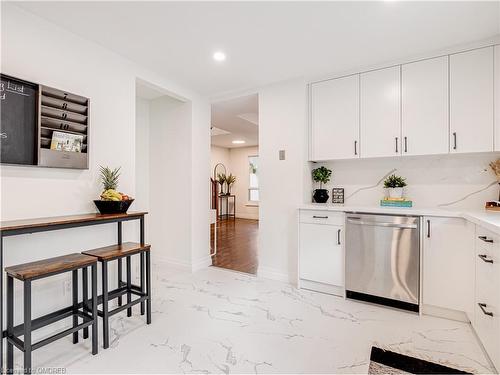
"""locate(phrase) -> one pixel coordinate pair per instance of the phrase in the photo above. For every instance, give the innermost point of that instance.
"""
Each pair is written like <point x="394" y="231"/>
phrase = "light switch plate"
<point x="282" y="154"/>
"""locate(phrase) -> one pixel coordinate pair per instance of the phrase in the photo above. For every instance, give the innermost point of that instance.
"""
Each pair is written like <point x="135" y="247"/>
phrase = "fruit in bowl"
<point x="112" y="201"/>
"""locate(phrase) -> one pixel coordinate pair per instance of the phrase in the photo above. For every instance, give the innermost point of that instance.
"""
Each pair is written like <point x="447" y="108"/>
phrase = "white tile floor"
<point x="218" y="321"/>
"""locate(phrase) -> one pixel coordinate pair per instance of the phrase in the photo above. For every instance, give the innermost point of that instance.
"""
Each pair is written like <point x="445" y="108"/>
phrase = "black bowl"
<point x="113" y="207"/>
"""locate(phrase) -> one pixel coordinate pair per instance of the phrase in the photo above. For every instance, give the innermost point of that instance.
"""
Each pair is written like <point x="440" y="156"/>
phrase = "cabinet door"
<point x="471" y="101"/>
<point x="448" y="261"/>
<point x="424" y="114"/>
<point x="497" y="97"/>
<point x="321" y="257"/>
<point x="380" y="113"/>
<point x="335" y="119"/>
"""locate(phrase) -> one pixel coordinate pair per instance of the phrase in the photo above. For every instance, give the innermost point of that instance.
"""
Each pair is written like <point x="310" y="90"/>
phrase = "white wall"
<point x="42" y="52"/>
<point x="236" y="162"/>
<point x="218" y="155"/>
<point x="142" y="154"/>
<point x="282" y="116"/>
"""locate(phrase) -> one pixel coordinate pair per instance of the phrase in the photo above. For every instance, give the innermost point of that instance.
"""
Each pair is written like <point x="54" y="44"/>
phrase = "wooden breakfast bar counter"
<point x="28" y="226"/>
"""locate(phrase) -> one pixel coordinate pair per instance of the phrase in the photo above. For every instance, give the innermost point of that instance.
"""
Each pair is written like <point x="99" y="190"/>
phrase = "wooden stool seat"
<point x="51" y="266"/>
<point x="117" y="251"/>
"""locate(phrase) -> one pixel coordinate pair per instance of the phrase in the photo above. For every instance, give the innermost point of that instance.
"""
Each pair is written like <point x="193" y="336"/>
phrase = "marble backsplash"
<point x="448" y="181"/>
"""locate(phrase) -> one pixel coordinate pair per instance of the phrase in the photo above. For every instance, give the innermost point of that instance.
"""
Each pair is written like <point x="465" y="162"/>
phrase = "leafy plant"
<point x="109" y="178"/>
<point x="321" y="175"/>
<point x="394" y="181"/>
<point x="221" y="178"/>
<point x="230" y="179"/>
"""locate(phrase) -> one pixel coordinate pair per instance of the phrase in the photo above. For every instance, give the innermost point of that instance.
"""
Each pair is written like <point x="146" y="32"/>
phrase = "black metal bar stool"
<point x="118" y="252"/>
<point x="29" y="272"/>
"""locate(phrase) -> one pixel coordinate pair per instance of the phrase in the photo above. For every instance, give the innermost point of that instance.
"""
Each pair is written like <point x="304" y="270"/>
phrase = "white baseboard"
<point x="273" y="274"/>
<point x="442" y="312"/>
<point x="322" y="288"/>
<point x="247" y="216"/>
<point x="175" y="263"/>
<point x="201" y="263"/>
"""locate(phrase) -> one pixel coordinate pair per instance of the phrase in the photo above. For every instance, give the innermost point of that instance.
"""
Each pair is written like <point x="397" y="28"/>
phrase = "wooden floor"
<point x="236" y="245"/>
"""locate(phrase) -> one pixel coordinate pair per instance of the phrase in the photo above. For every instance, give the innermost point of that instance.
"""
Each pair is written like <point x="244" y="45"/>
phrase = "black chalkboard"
<point x="18" y="124"/>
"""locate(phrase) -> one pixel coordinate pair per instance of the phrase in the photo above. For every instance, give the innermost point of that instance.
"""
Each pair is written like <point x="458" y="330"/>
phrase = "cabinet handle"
<point x="396" y="139"/>
<point x="406" y="144"/>
<point x="485" y="239"/>
<point x="454" y="140"/>
<point x="428" y="229"/>
<point x="338" y="237"/>
<point x="484" y="258"/>
<point x="482" y="307"/>
<point x="320" y="217"/>
<point x="355" y="147"/>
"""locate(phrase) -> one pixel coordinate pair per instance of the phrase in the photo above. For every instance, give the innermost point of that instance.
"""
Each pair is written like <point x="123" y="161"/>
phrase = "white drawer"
<point x="487" y="316"/>
<point x="486" y="240"/>
<point x="321" y="217"/>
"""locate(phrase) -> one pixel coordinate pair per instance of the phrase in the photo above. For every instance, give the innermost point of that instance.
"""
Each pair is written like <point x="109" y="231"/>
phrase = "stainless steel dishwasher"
<point x="382" y="256"/>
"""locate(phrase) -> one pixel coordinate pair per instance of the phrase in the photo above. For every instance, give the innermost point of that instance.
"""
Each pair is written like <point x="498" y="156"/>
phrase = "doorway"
<point x="235" y="184"/>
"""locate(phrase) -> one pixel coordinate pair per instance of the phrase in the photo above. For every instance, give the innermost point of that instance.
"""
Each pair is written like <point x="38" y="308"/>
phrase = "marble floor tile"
<point x="218" y="321"/>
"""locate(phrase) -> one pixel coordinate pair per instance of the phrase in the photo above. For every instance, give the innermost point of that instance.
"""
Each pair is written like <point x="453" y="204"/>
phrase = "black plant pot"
<point x="321" y="195"/>
<point x="113" y="207"/>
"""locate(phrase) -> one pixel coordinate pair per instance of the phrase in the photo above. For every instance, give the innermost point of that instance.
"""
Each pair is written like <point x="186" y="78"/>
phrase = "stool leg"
<point x="94" y="309"/>
<point x="27" y="326"/>
<point x="85" y="291"/>
<point x="141" y="255"/>
<point x="10" y="324"/>
<point x="148" y="287"/>
<point x="105" y="314"/>
<point x="75" y="304"/>
<point x="120" y="279"/>
<point x="129" y="286"/>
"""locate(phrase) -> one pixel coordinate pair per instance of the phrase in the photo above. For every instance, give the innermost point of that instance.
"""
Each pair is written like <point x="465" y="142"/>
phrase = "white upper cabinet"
<point x="424" y="122"/>
<point x="380" y="112"/>
<point x="471" y="101"/>
<point x="497" y="98"/>
<point x="335" y="119"/>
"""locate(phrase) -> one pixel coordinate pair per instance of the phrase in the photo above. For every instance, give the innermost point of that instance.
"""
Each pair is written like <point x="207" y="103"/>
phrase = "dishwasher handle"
<point x="382" y="224"/>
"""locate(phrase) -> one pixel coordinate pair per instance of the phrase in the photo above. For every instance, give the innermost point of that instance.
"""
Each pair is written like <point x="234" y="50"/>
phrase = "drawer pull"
<point x="320" y="217"/>
<point x="484" y="258"/>
<point x="338" y="237"/>
<point x="482" y="307"/>
<point x="485" y="239"/>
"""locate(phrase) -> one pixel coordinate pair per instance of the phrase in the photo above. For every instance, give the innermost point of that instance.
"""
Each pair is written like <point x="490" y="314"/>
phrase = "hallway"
<point x="237" y="245"/>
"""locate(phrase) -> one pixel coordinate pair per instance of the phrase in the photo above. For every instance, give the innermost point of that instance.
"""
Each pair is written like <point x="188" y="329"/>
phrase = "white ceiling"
<point x="239" y="117"/>
<point x="269" y="41"/>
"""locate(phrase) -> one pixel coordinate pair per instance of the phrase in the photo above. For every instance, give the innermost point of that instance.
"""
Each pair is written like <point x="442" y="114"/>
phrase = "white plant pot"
<point x="395" y="192"/>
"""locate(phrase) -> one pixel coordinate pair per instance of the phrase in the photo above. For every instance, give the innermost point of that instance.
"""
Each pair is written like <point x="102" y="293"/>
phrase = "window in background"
<point x="253" y="188"/>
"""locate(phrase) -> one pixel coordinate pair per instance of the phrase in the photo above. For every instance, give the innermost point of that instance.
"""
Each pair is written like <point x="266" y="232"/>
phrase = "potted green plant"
<point x="321" y="175"/>
<point x="230" y="180"/>
<point x="394" y="185"/>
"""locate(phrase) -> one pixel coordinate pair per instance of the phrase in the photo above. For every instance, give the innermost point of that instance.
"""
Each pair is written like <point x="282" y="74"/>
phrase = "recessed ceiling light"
<point x="219" y="56"/>
<point x="238" y="142"/>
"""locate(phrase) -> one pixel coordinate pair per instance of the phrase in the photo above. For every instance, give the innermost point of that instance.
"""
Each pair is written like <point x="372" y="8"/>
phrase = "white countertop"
<point x="487" y="219"/>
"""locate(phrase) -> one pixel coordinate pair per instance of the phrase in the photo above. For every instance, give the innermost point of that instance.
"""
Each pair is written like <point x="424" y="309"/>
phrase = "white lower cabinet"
<point x="486" y="320"/>
<point x="321" y="257"/>
<point x="448" y="265"/>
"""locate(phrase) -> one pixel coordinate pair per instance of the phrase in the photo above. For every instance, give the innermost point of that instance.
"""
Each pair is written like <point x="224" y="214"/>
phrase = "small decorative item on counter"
<point x="112" y="201"/>
<point x="495" y="167"/>
<point x="394" y="185"/>
<point x="396" y="202"/>
<point x="493" y="206"/>
<point x="338" y="195"/>
<point x="321" y="175"/>
<point x="221" y="179"/>
<point x="230" y="180"/>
